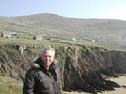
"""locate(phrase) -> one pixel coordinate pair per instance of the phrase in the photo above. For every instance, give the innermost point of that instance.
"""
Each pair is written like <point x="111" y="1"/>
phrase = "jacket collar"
<point x="40" y="64"/>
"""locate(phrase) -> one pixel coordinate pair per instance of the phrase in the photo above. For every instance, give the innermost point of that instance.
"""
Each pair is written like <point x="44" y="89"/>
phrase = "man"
<point x="44" y="76"/>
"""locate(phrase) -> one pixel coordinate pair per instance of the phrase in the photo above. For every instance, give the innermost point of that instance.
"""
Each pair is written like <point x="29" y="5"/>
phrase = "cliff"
<point x="83" y="68"/>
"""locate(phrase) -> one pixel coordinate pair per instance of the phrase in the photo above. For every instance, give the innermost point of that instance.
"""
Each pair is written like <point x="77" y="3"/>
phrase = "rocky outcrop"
<point x="83" y="68"/>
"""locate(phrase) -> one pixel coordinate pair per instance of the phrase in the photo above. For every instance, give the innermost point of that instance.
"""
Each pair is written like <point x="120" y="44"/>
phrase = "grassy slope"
<point x="55" y="25"/>
<point x="10" y="86"/>
<point x="104" y="31"/>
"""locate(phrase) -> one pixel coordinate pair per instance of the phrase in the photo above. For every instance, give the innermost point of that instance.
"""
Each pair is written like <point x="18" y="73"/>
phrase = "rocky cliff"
<point x="83" y="68"/>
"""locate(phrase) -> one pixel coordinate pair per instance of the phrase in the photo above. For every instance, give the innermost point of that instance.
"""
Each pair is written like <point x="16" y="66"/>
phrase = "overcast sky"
<point x="108" y="9"/>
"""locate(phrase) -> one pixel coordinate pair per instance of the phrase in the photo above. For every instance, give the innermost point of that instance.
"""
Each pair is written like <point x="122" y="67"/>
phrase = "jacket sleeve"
<point x="29" y="82"/>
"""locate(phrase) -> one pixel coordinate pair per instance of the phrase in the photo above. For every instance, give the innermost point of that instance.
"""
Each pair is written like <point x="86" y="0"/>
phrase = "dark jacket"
<point x="40" y="81"/>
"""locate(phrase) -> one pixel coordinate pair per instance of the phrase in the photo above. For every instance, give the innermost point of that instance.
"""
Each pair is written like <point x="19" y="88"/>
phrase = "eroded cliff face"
<point x="83" y="68"/>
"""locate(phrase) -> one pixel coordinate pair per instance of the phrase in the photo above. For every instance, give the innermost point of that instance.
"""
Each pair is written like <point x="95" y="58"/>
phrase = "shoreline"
<point x="121" y="80"/>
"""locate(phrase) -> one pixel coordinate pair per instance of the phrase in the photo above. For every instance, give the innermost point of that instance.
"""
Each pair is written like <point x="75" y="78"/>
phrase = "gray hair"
<point x="43" y="50"/>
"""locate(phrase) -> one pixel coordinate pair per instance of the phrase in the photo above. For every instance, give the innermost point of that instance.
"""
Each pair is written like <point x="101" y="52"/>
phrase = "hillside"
<point x="106" y="32"/>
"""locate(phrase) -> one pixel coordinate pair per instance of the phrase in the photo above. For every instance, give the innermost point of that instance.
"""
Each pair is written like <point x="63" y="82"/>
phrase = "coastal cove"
<point x="121" y="80"/>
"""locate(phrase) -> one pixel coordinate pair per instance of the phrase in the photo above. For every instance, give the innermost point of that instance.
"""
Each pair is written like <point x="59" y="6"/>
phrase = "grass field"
<point x="10" y="86"/>
<point x="57" y="42"/>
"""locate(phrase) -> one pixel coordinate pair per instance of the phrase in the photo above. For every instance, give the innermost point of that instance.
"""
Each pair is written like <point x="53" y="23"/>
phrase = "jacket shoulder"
<point x="32" y="71"/>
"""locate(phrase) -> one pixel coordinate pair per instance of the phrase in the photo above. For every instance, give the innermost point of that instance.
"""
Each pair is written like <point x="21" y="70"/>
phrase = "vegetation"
<point x="103" y="32"/>
<point x="10" y="86"/>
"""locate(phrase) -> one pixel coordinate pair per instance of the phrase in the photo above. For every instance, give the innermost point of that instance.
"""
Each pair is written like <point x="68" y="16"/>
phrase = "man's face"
<point x="48" y="58"/>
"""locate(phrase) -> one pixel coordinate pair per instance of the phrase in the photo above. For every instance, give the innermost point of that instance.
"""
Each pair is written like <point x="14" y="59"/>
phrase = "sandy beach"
<point x="121" y="80"/>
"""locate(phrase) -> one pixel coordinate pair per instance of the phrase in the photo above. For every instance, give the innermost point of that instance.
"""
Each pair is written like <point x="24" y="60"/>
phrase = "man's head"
<point x="47" y="56"/>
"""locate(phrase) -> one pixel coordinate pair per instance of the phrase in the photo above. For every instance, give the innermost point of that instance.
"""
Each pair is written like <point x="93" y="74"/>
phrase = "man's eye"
<point x="48" y="56"/>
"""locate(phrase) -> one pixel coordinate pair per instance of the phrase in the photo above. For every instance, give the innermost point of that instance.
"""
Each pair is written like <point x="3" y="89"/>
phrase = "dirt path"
<point x="121" y="80"/>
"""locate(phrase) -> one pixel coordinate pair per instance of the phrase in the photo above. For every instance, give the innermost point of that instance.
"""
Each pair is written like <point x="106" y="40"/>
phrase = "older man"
<point x="43" y="78"/>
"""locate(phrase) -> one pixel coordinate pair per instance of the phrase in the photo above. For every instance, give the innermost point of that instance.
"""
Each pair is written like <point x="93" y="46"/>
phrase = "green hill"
<point x="108" y="32"/>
